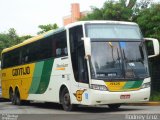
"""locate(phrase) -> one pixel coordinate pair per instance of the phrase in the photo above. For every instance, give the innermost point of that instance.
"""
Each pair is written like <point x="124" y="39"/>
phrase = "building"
<point x="75" y="14"/>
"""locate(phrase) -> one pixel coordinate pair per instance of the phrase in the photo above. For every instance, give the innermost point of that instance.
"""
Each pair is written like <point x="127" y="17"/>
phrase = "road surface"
<point x="50" y="111"/>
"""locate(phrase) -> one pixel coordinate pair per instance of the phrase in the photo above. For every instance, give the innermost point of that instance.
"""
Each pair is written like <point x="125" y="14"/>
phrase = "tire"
<point x="114" y="106"/>
<point x="17" y="98"/>
<point x="12" y="97"/>
<point x="65" y="100"/>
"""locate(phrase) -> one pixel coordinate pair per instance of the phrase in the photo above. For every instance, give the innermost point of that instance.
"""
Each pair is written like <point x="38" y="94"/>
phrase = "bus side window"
<point x="24" y="58"/>
<point x="12" y="58"/>
<point x="58" y="52"/>
<point x="61" y="44"/>
<point x="45" y="50"/>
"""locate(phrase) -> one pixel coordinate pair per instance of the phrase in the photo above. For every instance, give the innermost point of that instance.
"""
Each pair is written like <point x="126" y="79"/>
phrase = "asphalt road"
<point x="50" y="111"/>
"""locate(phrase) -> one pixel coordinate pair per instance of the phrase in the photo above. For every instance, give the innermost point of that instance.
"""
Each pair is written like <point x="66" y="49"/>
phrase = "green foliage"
<point x="25" y="37"/>
<point x="112" y="10"/>
<point x="149" y="21"/>
<point x="5" y="41"/>
<point x="155" y="96"/>
<point x="8" y="39"/>
<point x="96" y="14"/>
<point x="142" y="12"/>
<point x="45" y="28"/>
<point x="11" y="38"/>
<point x="116" y="11"/>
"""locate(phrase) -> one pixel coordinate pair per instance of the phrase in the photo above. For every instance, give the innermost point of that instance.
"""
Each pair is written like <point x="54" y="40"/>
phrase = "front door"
<point x="79" y="64"/>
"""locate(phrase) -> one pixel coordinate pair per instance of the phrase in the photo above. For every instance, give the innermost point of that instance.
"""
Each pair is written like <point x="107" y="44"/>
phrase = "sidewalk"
<point x="150" y="103"/>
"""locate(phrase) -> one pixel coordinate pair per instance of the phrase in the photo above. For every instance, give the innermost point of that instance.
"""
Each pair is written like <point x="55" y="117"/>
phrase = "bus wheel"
<point x="11" y="97"/>
<point x="65" y="100"/>
<point x="17" y="98"/>
<point x="114" y="106"/>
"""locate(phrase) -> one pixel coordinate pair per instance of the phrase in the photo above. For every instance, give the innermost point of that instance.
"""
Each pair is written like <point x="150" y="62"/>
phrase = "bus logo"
<point x="79" y="94"/>
<point x="21" y="71"/>
<point x="115" y="83"/>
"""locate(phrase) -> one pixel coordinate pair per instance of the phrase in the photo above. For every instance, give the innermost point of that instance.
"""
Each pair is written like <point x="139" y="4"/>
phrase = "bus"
<point x="83" y="63"/>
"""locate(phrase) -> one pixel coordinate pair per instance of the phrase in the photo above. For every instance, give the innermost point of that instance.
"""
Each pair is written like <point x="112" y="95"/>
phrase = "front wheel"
<point x="66" y="101"/>
<point x="114" y="106"/>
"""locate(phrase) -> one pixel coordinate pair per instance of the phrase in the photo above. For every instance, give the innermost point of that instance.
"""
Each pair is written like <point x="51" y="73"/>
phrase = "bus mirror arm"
<point x="87" y="47"/>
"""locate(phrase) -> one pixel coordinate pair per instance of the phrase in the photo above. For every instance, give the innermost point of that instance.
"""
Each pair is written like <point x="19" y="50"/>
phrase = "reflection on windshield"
<point x="118" y="60"/>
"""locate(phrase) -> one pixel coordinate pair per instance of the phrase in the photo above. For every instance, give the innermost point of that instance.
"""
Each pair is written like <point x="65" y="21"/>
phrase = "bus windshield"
<point x="118" y="60"/>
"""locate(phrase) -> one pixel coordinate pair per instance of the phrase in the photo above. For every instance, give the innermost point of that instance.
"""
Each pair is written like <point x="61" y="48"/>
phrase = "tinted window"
<point x="37" y="51"/>
<point x="60" y="44"/>
<point x="52" y="46"/>
<point x="11" y="58"/>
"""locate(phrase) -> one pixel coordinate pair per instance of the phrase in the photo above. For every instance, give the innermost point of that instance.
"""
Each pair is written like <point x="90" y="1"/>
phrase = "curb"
<point x="144" y="104"/>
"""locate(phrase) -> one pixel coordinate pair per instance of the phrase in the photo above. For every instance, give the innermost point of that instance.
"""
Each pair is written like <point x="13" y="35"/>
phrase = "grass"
<point x="155" y="96"/>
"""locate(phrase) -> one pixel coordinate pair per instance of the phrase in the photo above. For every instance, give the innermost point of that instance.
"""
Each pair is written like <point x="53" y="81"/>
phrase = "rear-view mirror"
<point x="87" y="46"/>
<point x="152" y="46"/>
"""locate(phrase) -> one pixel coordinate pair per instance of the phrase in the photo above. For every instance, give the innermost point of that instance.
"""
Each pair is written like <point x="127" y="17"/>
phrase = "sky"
<point x="26" y="15"/>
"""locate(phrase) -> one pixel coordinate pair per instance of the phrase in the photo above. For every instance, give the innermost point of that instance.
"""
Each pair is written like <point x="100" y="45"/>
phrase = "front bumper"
<point x="105" y="97"/>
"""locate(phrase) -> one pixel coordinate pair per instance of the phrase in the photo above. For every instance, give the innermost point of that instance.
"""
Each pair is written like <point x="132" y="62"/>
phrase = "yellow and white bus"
<point x="87" y="63"/>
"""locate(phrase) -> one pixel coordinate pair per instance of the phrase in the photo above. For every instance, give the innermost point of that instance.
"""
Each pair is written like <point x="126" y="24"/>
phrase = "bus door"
<point x="79" y="65"/>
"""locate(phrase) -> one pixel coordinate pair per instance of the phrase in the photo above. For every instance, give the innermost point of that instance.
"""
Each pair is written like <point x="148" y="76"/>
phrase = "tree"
<point x="148" y="20"/>
<point x="4" y="41"/>
<point x="13" y="35"/>
<point x="117" y="11"/>
<point x="112" y="10"/>
<point x="140" y="5"/>
<point x="11" y="38"/>
<point x="143" y="4"/>
<point x="96" y="14"/>
<point x="45" y="28"/>
<point x="25" y="37"/>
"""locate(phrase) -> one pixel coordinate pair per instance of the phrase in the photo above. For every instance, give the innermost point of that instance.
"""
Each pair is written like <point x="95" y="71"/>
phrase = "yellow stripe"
<point x="27" y="41"/>
<point x="23" y="43"/>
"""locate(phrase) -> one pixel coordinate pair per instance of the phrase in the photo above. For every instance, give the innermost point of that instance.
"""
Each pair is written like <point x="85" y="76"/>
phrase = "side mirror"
<point x="87" y="46"/>
<point x="152" y="46"/>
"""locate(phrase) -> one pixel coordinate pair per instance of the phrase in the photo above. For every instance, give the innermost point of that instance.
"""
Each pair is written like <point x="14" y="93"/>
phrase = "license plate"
<point x="125" y="97"/>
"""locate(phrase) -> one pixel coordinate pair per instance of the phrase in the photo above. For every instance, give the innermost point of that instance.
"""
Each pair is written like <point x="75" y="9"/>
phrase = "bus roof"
<point x="51" y="32"/>
<point x="99" y="21"/>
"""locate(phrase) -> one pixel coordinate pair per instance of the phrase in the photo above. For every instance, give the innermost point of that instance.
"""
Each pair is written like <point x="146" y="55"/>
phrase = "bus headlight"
<point x="99" y="87"/>
<point x="146" y="85"/>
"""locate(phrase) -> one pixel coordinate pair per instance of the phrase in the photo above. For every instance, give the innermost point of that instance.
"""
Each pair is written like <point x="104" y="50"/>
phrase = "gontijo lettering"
<point x="21" y="71"/>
